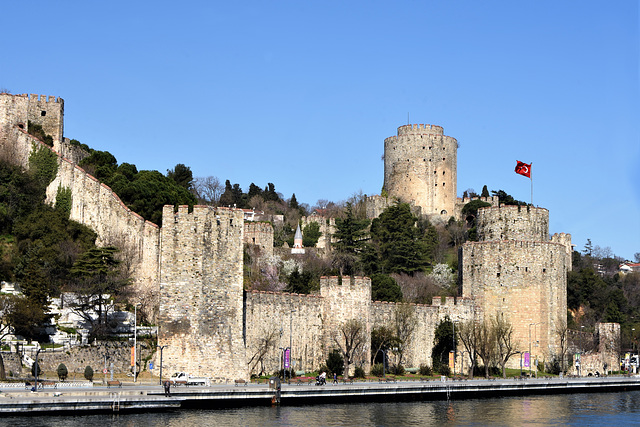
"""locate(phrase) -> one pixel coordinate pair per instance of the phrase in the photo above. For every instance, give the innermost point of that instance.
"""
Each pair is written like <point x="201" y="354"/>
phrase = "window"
<point x="43" y="113"/>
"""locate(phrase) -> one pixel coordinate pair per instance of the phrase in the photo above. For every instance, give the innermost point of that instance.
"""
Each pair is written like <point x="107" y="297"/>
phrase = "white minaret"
<point x="297" y="242"/>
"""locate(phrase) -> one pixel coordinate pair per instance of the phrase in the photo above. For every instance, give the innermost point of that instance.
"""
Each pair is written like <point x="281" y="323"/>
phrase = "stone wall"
<point x="201" y="297"/>
<point x="513" y="223"/>
<point x="293" y="319"/>
<point x="93" y="204"/>
<point x="259" y="234"/>
<point x="420" y="166"/>
<point x="327" y="228"/>
<point x="96" y="206"/>
<point x="516" y="271"/>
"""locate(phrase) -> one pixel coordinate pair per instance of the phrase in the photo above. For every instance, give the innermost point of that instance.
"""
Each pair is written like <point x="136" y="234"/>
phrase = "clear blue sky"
<point x="303" y="93"/>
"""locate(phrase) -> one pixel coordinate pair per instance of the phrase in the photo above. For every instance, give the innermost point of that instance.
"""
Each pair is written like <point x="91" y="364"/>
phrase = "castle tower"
<point x="420" y="167"/>
<point x="516" y="271"/>
<point x="201" y="292"/>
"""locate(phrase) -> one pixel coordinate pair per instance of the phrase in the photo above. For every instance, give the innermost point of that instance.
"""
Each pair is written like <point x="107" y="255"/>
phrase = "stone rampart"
<point x="201" y="294"/>
<point x="327" y="228"/>
<point x="420" y="166"/>
<point x="524" y="281"/>
<point x="286" y="319"/>
<point x="259" y="234"/>
<point x="513" y="223"/>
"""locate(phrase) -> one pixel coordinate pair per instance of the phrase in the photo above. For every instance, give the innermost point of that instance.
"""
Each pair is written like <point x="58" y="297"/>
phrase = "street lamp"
<point x="453" y="323"/>
<point x="530" y="325"/>
<point x="291" y="341"/>
<point x="135" y="341"/>
<point x="161" y="347"/>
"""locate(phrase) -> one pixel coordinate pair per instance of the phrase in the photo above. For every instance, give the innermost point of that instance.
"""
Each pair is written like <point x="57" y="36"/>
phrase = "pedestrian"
<point x="335" y="378"/>
<point x="167" y="388"/>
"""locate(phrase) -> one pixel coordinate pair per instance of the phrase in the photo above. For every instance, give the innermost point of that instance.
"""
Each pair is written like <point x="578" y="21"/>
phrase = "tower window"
<point x="443" y="159"/>
<point x="443" y="184"/>
<point x="443" y="172"/>
<point x="43" y="113"/>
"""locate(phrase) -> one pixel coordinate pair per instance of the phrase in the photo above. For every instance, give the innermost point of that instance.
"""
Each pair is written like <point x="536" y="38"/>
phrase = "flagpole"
<point x="531" y="173"/>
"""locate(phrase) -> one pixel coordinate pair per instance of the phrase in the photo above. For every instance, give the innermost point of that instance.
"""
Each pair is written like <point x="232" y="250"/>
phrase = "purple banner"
<point x="287" y="357"/>
<point x="527" y="360"/>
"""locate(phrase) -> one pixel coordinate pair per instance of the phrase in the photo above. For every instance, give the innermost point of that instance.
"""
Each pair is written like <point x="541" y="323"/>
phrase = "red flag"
<point x="523" y="169"/>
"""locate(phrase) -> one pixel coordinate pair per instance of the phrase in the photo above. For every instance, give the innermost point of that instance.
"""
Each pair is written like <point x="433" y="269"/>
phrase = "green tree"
<point x="311" y="234"/>
<point x="443" y="343"/>
<point x="88" y="373"/>
<point x="385" y="288"/>
<point x="335" y="361"/>
<point x="350" y="241"/>
<point x="100" y="164"/>
<point x="98" y="281"/>
<point x="300" y="283"/>
<point x="181" y="175"/>
<point x="485" y="192"/>
<point x="62" y="372"/>
<point x="401" y="245"/>
<point x="506" y="199"/>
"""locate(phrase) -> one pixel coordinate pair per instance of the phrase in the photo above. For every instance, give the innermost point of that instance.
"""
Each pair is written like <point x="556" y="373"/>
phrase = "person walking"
<point x="167" y="388"/>
<point x="335" y="378"/>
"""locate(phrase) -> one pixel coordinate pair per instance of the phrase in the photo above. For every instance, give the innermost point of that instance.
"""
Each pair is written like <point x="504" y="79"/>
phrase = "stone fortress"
<point x="191" y="269"/>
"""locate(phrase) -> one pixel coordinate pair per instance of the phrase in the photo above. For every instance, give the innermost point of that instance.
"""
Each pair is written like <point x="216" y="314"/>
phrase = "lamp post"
<point x="35" y="370"/>
<point x="453" y="323"/>
<point x="161" y="347"/>
<point x="291" y="341"/>
<point x="384" y="363"/>
<point x="530" y="325"/>
<point x="135" y="342"/>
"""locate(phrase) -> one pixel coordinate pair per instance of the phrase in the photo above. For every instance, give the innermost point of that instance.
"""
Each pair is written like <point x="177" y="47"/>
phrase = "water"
<point x="606" y="409"/>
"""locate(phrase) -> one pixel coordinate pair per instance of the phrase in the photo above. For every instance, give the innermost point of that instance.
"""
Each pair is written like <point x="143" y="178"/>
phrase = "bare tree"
<point x="468" y="334"/>
<point x="382" y="338"/>
<point x="505" y="344"/>
<point x="349" y="338"/>
<point x="207" y="190"/>
<point x="562" y="331"/>
<point x="486" y="347"/>
<point x="262" y="346"/>
<point x="405" y="325"/>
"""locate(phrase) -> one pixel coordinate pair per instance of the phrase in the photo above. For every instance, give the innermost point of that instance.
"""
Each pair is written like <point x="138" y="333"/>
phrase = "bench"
<point x="424" y="379"/>
<point x="241" y="382"/>
<point x="114" y="383"/>
<point x="347" y="380"/>
<point x="388" y="380"/>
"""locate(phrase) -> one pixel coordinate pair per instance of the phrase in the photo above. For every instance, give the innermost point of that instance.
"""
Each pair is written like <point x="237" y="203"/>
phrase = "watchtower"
<point x="420" y="166"/>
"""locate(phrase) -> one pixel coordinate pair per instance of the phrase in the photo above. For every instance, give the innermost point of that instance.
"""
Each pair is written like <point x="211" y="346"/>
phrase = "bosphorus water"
<point x="592" y="409"/>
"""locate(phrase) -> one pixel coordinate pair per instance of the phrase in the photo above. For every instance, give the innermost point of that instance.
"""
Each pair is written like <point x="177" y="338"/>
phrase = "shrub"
<point x="359" y="372"/>
<point x="377" y="370"/>
<point x="397" y="369"/>
<point x="426" y="370"/>
<point x="33" y="369"/>
<point x="88" y="373"/>
<point x="444" y="370"/>
<point x="62" y="372"/>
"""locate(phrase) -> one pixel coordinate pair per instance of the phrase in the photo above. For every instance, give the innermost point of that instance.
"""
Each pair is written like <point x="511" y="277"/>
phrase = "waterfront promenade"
<point x="130" y="397"/>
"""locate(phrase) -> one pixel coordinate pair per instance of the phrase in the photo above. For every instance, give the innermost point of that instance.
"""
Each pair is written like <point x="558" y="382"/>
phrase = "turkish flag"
<point x="523" y="169"/>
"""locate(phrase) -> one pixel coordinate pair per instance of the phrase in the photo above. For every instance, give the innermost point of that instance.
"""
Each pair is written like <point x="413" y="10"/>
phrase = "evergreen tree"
<point x="485" y="192"/>
<point x="384" y="288"/>
<point x="401" y="247"/>
<point x="181" y="175"/>
<point x="226" y="199"/>
<point x="351" y="237"/>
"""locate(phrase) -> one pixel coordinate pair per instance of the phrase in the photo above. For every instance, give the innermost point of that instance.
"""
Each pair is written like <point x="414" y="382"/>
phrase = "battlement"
<point x="420" y="128"/>
<point x="494" y="200"/>
<point x="43" y="98"/>
<point x="513" y="223"/>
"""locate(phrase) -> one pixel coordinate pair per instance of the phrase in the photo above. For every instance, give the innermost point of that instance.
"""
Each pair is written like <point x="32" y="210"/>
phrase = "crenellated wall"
<point x="515" y="270"/>
<point x="201" y="297"/>
<point x="513" y="223"/>
<point x="420" y="166"/>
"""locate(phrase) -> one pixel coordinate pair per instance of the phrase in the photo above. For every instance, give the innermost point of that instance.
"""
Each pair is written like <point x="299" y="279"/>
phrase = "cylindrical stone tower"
<point x="420" y="168"/>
